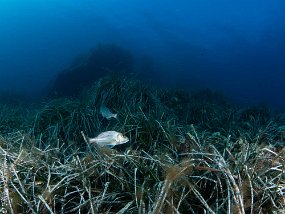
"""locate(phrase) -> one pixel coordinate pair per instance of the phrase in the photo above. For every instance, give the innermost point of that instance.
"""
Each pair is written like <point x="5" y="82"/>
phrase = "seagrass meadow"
<point x="188" y="153"/>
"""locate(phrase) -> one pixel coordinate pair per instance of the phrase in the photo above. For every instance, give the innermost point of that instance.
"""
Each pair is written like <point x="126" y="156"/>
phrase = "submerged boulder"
<point x="86" y="69"/>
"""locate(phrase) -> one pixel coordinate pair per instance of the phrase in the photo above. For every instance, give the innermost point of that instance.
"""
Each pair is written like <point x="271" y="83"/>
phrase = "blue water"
<point x="236" y="47"/>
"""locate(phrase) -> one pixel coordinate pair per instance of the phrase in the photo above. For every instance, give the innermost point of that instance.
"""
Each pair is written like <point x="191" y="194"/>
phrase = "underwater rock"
<point x="88" y="68"/>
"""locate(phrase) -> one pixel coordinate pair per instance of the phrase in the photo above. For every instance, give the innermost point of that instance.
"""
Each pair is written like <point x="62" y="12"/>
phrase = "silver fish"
<point x="105" y="112"/>
<point x="109" y="138"/>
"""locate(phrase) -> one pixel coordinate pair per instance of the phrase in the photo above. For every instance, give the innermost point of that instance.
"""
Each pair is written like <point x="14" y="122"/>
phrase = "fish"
<point x="109" y="138"/>
<point x="106" y="113"/>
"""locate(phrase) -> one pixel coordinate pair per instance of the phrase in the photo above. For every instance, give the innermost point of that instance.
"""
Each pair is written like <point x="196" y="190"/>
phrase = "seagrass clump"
<point x="169" y="165"/>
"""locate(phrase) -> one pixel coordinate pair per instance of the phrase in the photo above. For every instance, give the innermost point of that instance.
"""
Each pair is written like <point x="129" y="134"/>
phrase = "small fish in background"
<point x="108" y="138"/>
<point x="106" y="113"/>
